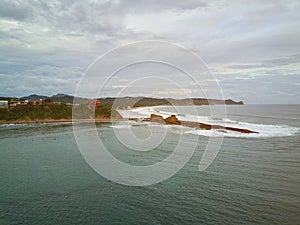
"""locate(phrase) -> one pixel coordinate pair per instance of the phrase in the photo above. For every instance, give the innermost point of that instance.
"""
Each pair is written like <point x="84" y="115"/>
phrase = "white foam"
<point x="121" y="126"/>
<point x="263" y="130"/>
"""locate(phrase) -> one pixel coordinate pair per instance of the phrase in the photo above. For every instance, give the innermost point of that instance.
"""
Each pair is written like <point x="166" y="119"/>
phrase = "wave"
<point x="26" y="126"/>
<point x="264" y="130"/>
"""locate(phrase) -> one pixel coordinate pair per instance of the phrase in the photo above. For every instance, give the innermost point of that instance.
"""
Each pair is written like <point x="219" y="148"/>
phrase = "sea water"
<point x="254" y="179"/>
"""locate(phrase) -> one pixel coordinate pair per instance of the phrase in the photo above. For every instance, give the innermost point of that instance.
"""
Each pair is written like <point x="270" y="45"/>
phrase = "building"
<point x="3" y="104"/>
<point x="14" y="102"/>
<point x="93" y="103"/>
<point x="36" y="102"/>
<point x="17" y="102"/>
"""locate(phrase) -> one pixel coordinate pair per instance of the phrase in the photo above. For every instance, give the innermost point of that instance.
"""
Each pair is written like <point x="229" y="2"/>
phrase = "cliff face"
<point x="231" y="102"/>
<point x="173" y="120"/>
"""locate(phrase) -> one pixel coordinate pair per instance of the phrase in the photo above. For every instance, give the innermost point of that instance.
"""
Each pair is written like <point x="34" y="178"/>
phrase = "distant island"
<point x="40" y="108"/>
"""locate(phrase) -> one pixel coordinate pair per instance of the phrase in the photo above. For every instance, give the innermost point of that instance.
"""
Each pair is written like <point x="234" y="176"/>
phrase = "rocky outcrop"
<point x="231" y="102"/>
<point x="173" y="120"/>
<point x="157" y="118"/>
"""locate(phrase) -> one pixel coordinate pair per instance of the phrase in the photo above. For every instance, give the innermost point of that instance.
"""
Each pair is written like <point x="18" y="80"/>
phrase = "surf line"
<point x="173" y="120"/>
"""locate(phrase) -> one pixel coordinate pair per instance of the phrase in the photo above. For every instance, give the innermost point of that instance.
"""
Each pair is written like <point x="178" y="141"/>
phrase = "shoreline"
<point x="61" y="120"/>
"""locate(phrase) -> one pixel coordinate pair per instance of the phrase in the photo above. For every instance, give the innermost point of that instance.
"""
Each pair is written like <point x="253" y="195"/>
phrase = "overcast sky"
<point x="251" y="47"/>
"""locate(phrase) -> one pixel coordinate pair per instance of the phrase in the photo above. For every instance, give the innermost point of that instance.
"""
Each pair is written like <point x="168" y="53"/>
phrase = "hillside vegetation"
<point x="53" y="111"/>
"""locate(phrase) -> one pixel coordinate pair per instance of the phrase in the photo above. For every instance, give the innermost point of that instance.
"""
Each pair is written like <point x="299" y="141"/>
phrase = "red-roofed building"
<point x="35" y="102"/>
<point x="93" y="103"/>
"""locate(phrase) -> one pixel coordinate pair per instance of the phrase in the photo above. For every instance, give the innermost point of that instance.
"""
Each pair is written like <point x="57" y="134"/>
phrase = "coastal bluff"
<point x="173" y="120"/>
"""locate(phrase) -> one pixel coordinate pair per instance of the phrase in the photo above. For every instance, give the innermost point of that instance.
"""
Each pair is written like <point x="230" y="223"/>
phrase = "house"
<point x="16" y="102"/>
<point x="36" y="102"/>
<point x="3" y="104"/>
<point x="93" y="103"/>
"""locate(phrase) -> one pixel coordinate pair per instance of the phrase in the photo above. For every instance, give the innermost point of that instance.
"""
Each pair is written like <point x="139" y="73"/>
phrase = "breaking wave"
<point x="264" y="130"/>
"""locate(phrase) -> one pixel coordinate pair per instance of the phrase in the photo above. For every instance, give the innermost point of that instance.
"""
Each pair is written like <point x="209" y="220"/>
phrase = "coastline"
<point x="104" y="119"/>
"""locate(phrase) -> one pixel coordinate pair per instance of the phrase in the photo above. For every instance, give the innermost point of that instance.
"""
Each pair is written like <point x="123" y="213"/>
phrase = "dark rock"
<point x="231" y="102"/>
<point x="156" y="118"/>
<point x="174" y="120"/>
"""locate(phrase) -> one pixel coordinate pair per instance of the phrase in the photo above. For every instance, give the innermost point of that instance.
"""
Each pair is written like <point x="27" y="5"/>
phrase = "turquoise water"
<point x="45" y="180"/>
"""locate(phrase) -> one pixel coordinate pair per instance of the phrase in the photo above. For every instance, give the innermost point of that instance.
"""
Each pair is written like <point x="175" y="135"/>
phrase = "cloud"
<point x="176" y="92"/>
<point x="119" y="86"/>
<point x="242" y="41"/>
<point x="263" y="89"/>
<point x="46" y="80"/>
<point x="15" y="10"/>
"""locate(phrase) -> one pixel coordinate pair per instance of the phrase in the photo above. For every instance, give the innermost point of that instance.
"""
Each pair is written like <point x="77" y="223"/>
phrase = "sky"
<point x="252" y="48"/>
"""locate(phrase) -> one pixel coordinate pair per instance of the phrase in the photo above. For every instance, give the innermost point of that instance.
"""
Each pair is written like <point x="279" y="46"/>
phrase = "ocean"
<point x="254" y="178"/>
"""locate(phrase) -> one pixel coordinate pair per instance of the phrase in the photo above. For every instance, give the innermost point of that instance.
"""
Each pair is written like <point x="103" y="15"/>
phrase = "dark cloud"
<point x="15" y="10"/>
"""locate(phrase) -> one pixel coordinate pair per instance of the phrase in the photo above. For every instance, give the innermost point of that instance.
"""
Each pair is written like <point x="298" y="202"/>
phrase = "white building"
<point x="3" y="104"/>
